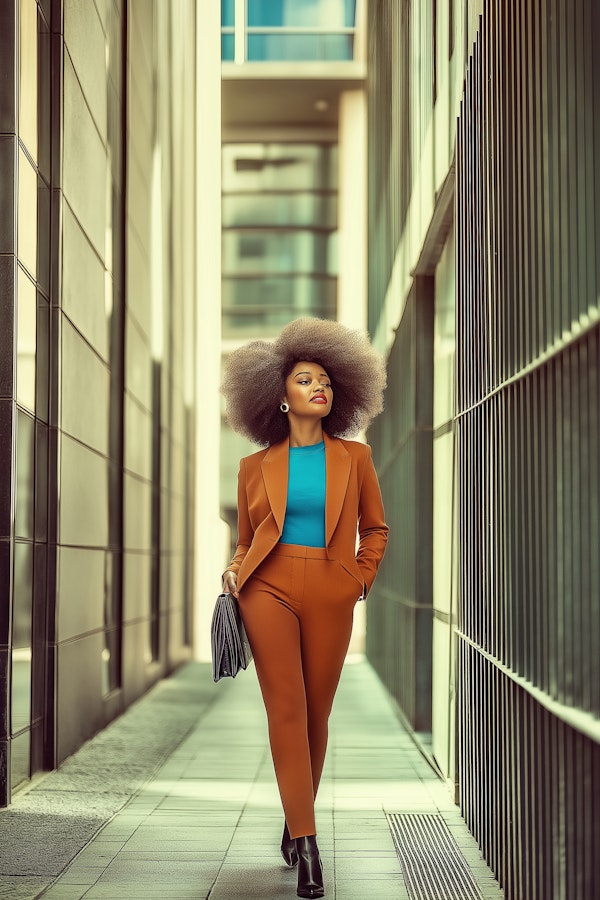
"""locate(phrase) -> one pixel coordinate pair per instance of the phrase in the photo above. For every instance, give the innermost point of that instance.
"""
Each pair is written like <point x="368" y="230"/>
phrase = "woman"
<point x="297" y="572"/>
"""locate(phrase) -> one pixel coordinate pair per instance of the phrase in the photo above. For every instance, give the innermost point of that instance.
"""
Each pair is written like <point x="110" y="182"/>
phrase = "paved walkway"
<point x="177" y="799"/>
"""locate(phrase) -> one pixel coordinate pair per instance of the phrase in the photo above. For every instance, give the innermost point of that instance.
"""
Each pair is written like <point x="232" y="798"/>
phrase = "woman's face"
<point x="308" y="390"/>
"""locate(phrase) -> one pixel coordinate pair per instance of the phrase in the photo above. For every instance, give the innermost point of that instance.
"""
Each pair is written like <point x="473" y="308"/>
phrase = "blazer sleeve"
<point x="245" y="530"/>
<point x="372" y="528"/>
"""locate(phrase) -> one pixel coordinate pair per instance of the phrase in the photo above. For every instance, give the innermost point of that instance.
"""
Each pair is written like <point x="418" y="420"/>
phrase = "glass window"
<point x="280" y="235"/>
<point x="43" y="236"/>
<point x="42" y="364"/>
<point x="26" y="341"/>
<point x="257" y="252"/>
<point x="300" y="47"/>
<point x="280" y="30"/>
<point x="227" y="47"/>
<point x="444" y="336"/>
<point x="44" y="84"/>
<point x="28" y="75"/>
<point x="25" y="476"/>
<point x="21" y="637"/>
<point x="281" y="167"/>
<point x="111" y="653"/>
<point x="302" y="209"/>
<point x="253" y="304"/>
<point x="227" y="13"/>
<point x="27" y="209"/>
<point x="302" y="13"/>
<point x="19" y="758"/>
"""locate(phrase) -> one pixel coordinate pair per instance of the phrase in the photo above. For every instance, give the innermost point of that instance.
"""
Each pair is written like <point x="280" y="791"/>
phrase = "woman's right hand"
<point x="230" y="583"/>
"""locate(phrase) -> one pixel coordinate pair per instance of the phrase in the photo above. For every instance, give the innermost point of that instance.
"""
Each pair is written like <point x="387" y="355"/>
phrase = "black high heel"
<point x="310" y="870"/>
<point x="288" y="848"/>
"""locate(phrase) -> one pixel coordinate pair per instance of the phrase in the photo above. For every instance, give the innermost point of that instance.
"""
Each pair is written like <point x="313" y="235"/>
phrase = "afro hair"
<point x="255" y="374"/>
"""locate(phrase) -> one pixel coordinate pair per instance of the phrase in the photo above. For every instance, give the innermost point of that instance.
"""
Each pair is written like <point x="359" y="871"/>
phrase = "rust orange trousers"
<point x="297" y="609"/>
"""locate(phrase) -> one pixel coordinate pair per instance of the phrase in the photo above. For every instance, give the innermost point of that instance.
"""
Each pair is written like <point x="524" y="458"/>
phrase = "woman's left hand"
<point x="230" y="583"/>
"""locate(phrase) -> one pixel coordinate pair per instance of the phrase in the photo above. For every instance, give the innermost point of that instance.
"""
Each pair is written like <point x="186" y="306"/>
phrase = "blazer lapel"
<point x="274" y="468"/>
<point x="337" y="467"/>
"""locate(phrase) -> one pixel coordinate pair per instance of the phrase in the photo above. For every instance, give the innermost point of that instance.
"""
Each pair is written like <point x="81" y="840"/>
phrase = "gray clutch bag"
<point x="230" y="648"/>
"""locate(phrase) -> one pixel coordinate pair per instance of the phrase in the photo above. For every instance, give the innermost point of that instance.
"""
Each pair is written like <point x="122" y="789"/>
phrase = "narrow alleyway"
<point x="177" y="799"/>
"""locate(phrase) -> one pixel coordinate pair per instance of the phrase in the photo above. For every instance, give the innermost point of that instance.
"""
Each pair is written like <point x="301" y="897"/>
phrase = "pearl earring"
<point x="284" y="407"/>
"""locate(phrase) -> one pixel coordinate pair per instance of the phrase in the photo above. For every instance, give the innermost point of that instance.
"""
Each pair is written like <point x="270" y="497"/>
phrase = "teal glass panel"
<point x="256" y="252"/>
<point x="227" y="47"/>
<point x="309" y="210"/>
<point x="227" y="13"/>
<point x="301" y="13"/>
<point x="300" y="47"/>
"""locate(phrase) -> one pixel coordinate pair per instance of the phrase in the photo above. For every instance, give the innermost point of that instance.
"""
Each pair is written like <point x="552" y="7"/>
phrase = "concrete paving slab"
<point x="197" y="813"/>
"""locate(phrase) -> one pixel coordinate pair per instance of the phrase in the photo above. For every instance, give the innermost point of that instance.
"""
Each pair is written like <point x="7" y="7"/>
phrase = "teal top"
<point x="305" y="511"/>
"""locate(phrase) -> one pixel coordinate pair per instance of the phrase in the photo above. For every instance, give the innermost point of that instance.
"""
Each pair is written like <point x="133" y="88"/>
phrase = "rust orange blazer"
<point x="352" y="497"/>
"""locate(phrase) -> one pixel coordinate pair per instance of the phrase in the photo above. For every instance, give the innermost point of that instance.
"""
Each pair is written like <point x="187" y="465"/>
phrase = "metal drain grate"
<point x="431" y="861"/>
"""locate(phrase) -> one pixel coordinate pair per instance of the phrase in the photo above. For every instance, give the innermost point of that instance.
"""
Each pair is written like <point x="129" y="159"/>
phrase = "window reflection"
<point x="444" y="336"/>
<point x="227" y="13"/>
<point x="266" y="321"/>
<point x="28" y="71"/>
<point x="111" y="653"/>
<point x="280" y="237"/>
<point x="19" y="758"/>
<point x="26" y="341"/>
<point x="27" y="207"/>
<point x="301" y="13"/>
<point x="21" y="637"/>
<point x="44" y="82"/>
<point x="25" y="479"/>
<point x="269" y="302"/>
<point x="255" y="252"/>
<point x="279" y="167"/>
<point x="114" y="292"/>
<point x="227" y="47"/>
<point x="32" y="202"/>
<point x="290" y="30"/>
<point x="42" y="363"/>
<point x="318" y="210"/>
<point x="300" y="47"/>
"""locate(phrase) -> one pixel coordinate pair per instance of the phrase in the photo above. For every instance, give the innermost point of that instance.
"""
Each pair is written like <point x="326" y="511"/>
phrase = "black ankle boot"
<point x="310" y="870"/>
<point x="288" y="848"/>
